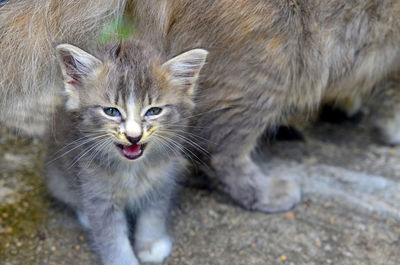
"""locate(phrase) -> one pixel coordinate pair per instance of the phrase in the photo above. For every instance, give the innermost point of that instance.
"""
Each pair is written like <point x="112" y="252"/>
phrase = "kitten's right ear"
<point x="185" y="68"/>
<point x="76" y="65"/>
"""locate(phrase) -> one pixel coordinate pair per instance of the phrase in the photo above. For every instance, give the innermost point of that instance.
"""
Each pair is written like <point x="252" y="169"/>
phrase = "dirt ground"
<point x="349" y="214"/>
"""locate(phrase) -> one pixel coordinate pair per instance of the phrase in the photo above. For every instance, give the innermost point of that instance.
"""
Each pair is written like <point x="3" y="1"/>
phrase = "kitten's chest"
<point x="130" y="184"/>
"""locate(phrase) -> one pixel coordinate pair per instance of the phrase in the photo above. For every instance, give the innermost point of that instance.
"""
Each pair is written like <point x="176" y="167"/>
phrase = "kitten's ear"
<point x="185" y="68"/>
<point x="76" y="65"/>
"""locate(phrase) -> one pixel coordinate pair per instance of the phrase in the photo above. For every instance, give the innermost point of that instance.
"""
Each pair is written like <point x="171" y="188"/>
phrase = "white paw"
<point x="156" y="252"/>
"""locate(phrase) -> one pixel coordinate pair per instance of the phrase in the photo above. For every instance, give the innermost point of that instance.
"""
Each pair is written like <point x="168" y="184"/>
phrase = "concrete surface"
<point x="349" y="214"/>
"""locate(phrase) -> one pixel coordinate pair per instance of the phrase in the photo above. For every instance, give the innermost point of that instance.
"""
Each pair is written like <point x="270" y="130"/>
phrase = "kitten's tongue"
<point x="131" y="151"/>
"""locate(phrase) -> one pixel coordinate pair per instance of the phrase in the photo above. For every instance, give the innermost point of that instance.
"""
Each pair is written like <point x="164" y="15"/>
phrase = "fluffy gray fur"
<point x="88" y="169"/>
<point x="269" y="59"/>
<point x="29" y="32"/>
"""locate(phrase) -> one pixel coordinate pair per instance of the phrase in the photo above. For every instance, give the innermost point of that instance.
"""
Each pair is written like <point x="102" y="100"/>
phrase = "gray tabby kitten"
<point x="117" y="142"/>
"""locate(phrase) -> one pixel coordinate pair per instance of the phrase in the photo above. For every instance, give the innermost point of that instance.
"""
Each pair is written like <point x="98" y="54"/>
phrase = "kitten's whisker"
<point x="84" y="138"/>
<point x="85" y="131"/>
<point x="183" y="149"/>
<point x="99" y="150"/>
<point x="187" y="140"/>
<point x="171" y="146"/>
<point x="165" y="142"/>
<point x="75" y="147"/>
<point x="161" y="145"/>
<point x="171" y="129"/>
<point x="188" y="133"/>
<point x="85" y="151"/>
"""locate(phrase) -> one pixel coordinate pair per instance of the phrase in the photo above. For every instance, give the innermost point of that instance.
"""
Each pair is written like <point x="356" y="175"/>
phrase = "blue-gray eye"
<point x="153" y="111"/>
<point x="112" y="112"/>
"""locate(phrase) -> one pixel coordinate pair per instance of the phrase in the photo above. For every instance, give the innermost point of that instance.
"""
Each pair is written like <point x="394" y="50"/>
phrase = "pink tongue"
<point x="132" y="150"/>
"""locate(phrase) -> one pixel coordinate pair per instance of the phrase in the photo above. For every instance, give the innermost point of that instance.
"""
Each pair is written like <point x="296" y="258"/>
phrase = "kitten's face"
<point x="128" y="99"/>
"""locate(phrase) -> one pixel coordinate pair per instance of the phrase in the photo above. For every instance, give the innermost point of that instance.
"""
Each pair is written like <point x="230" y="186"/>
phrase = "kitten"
<point x="117" y="142"/>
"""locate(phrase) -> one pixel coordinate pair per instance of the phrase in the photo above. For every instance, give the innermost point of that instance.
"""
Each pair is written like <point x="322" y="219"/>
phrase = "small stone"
<point x="53" y="248"/>
<point x="318" y="244"/>
<point x="212" y="213"/>
<point x="18" y="244"/>
<point x="327" y="248"/>
<point x="392" y="152"/>
<point x="290" y="215"/>
<point x="42" y="236"/>
<point x="77" y="247"/>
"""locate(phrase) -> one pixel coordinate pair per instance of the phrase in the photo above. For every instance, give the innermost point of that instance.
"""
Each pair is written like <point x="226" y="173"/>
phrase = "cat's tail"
<point x="29" y="31"/>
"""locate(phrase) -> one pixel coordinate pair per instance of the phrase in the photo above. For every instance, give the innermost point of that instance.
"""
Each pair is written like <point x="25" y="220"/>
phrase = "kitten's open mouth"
<point x="131" y="152"/>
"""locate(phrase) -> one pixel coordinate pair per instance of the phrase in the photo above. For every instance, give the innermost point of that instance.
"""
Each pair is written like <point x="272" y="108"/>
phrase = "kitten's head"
<point x="128" y="97"/>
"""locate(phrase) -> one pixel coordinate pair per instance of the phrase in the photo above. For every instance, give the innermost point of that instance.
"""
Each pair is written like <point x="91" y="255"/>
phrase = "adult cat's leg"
<point x="385" y="111"/>
<point x="231" y="162"/>
<point x="152" y="243"/>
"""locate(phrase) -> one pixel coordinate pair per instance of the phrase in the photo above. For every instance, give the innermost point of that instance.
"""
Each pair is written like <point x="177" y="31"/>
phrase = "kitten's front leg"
<point x="152" y="241"/>
<point x="108" y="230"/>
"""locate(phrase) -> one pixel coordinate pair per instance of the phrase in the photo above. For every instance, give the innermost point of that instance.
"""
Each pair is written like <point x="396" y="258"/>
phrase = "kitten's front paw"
<point x="154" y="252"/>
<point x="276" y="194"/>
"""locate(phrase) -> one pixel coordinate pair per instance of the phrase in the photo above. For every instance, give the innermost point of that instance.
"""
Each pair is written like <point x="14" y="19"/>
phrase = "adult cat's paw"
<point x="259" y="192"/>
<point x="154" y="252"/>
<point x="275" y="194"/>
<point x="389" y="129"/>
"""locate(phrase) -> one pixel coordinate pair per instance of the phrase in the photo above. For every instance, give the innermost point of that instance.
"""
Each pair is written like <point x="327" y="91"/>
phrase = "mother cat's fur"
<point x="267" y="59"/>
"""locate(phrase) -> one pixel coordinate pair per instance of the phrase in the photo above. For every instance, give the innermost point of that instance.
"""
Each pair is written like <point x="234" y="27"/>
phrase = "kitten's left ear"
<point x="185" y="68"/>
<point x="76" y="65"/>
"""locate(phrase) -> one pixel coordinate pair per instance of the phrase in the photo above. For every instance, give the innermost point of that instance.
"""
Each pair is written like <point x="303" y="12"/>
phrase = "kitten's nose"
<point x="133" y="140"/>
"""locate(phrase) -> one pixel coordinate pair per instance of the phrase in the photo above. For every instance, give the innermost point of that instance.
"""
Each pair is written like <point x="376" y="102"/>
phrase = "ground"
<point x="349" y="214"/>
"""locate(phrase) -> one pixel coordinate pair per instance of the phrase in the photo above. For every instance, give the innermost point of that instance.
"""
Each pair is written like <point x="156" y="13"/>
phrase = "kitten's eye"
<point x="112" y="112"/>
<point x="153" y="111"/>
